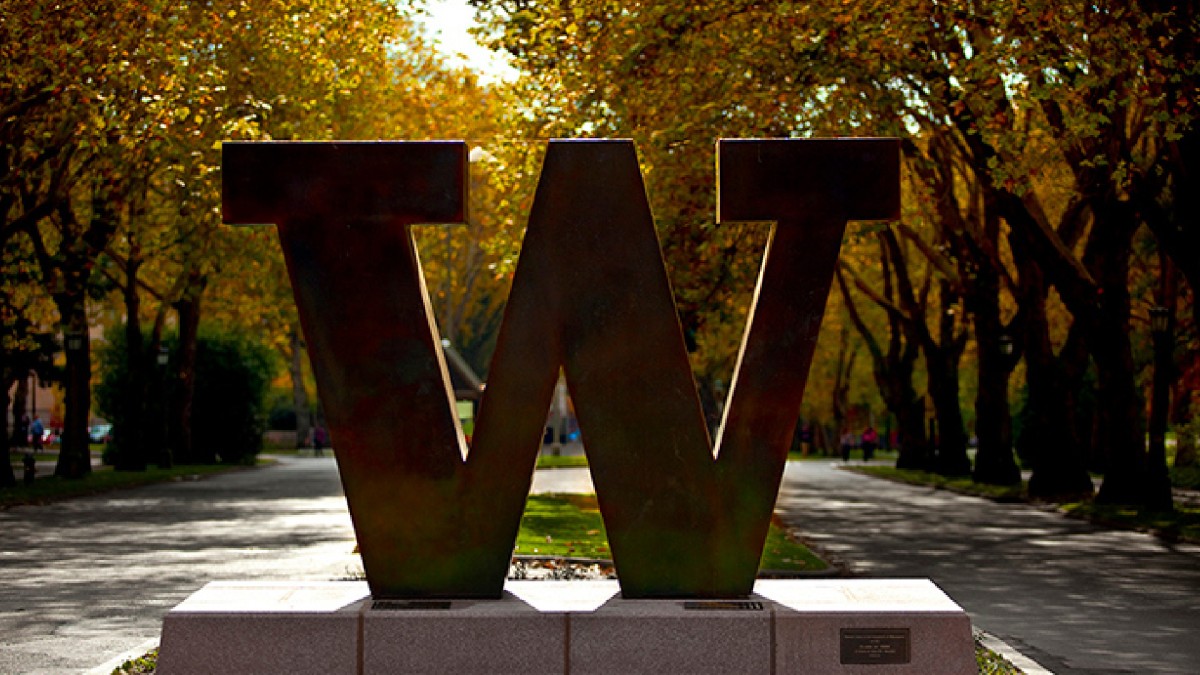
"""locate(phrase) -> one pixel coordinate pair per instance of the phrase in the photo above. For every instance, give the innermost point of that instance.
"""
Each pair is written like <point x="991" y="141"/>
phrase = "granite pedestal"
<point x="787" y="626"/>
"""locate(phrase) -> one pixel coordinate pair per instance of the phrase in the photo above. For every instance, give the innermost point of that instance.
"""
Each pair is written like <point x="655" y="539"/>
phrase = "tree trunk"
<point x="893" y="372"/>
<point x="1158" y="476"/>
<point x="19" y="398"/>
<point x="7" y="477"/>
<point x="1050" y="438"/>
<point x="1158" y="494"/>
<point x="971" y="230"/>
<point x="941" y="361"/>
<point x="132" y="436"/>
<point x="1120" y="436"/>
<point x="952" y="457"/>
<point x="74" y="458"/>
<point x="299" y="393"/>
<point x="994" y="461"/>
<point x="1178" y="234"/>
<point x="188" y="309"/>
<point x="1050" y="442"/>
<point x="909" y="411"/>
<point x="840" y="400"/>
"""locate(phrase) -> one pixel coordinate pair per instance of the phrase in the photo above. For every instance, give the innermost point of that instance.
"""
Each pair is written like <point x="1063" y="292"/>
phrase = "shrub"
<point x="111" y="396"/>
<point x="281" y="411"/>
<point x="1187" y="444"/>
<point x="233" y="373"/>
<point x="228" y="416"/>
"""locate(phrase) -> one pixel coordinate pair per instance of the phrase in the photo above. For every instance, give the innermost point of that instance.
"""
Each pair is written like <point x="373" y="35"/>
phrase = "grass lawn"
<point x="53" y="488"/>
<point x="963" y="485"/>
<point x="562" y="525"/>
<point x="573" y="461"/>
<point x="561" y="461"/>
<point x="990" y="663"/>
<point x="1187" y="477"/>
<point x="1181" y="524"/>
<point x="570" y="526"/>
<point x="855" y="455"/>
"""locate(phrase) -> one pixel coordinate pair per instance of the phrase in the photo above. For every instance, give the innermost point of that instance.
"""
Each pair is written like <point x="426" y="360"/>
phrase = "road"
<point x="1074" y="597"/>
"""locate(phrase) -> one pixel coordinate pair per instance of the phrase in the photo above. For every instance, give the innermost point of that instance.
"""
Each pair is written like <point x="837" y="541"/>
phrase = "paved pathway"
<point x="1074" y="597"/>
<point x="88" y="579"/>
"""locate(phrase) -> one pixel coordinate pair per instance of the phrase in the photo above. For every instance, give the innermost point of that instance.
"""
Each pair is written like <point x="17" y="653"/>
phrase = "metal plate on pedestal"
<point x="409" y="605"/>
<point x="712" y="605"/>
<point x="875" y="646"/>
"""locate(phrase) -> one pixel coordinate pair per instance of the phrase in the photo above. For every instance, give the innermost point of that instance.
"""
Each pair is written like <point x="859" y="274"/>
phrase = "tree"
<point x="24" y="349"/>
<point x="984" y="84"/>
<point x="893" y="368"/>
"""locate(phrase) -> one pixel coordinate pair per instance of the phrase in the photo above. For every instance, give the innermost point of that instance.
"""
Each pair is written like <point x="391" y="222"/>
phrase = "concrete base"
<point x="787" y="626"/>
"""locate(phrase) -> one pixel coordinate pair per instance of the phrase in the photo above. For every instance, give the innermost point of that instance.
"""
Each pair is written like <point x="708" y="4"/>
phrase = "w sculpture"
<point x="686" y="515"/>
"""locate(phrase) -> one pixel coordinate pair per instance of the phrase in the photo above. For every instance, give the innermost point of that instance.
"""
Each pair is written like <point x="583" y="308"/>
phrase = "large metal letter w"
<point x="590" y="296"/>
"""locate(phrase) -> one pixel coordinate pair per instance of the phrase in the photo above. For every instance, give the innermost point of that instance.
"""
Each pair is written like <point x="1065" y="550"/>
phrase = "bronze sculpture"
<point x="591" y="296"/>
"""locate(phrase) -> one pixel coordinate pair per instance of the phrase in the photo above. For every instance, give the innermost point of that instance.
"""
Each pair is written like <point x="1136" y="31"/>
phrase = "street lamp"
<point x="1006" y="344"/>
<point x="33" y="391"/>
<point x="1160" y="400"/>
<point x="74" y="460"/>
<point x="1160" y="319"/>
<point x="74" y="339"/>
<point x="165" y="460"/>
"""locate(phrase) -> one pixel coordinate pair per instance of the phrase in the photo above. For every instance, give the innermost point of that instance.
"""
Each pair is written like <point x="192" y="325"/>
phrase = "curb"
<point x="112" y="664"/>
<point x="1027" y="665"/>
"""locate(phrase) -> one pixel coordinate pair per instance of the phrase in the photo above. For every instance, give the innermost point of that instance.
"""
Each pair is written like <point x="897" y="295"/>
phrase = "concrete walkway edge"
<point x="112" y="664"/>
<point x="1027" y="665"/>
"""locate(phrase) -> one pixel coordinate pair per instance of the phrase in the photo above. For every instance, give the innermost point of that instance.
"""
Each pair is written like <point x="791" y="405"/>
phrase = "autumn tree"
<point x="63" y="133"/>
<point x="981" y="86"/>
<point x="25" y="349"/>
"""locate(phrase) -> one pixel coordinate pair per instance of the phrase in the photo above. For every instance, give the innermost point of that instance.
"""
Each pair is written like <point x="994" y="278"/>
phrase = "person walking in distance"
<point x="320" y="439"/>
<point x="870" y="440"/>
<point x="36" y="430"/>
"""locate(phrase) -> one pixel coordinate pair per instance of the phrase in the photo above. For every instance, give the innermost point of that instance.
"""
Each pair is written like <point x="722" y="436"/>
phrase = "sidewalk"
<point x="45" y="467"/>
<point x="1075" y="597"/>
<point x="88" y="579"/>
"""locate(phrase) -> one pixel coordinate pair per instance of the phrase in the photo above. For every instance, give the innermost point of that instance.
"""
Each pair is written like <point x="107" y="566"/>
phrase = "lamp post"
<point x="43" y="365"/>
<point x="1162" y="333"/>
<point x="74" y="458"/>
<point x="1160" y="321"/>
<point x="1006" y="344"/>
<point x="74" y="340"/>
<point x="162" y="358"/>
<point x="32" y="393"/>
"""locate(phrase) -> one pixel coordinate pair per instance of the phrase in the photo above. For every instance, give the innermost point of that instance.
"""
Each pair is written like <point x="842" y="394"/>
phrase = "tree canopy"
<point x="1050" y="196"/>
<point x="1035" y="148"/>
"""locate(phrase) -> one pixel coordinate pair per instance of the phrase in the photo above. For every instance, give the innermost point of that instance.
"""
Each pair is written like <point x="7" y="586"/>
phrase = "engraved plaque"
<point x="876" y="645"/>
<point x="736" y="605"/>
<point x="403" y="605"/>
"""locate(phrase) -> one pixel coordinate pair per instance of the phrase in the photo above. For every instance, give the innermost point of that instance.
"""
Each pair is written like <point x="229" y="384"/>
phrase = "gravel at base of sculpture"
<point x="538" y="569"/>
<point x="559" y="569"/>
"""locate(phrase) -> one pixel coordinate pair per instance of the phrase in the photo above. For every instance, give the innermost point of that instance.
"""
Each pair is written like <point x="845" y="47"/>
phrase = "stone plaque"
<point x="876" y="646"/>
